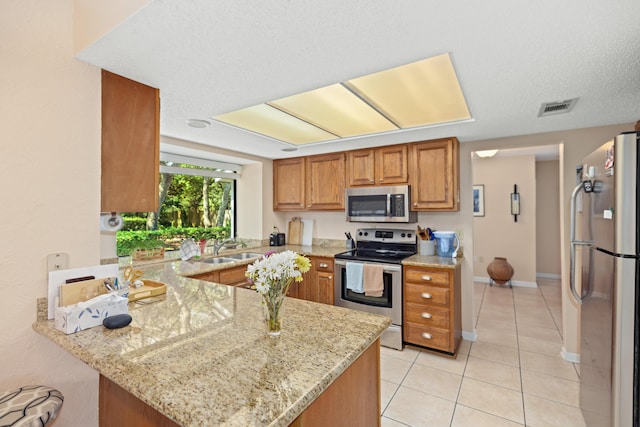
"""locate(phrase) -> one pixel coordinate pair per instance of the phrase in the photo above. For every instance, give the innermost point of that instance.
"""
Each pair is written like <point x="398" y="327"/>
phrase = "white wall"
<point x="496" y="234"/>
<point x="50" y="173"/>
<point x="548" y="216"/>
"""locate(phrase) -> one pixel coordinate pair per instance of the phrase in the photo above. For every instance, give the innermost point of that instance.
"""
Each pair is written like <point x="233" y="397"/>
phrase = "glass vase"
<point x="273" y="320"/>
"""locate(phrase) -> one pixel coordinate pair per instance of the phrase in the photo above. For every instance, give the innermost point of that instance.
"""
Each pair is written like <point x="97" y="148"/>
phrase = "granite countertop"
<point x="200" y="354"/>
<point x="432" y="261"/>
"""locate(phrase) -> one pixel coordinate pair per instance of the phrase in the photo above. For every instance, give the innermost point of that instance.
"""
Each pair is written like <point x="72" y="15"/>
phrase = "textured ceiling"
<point x="211" y="57"/>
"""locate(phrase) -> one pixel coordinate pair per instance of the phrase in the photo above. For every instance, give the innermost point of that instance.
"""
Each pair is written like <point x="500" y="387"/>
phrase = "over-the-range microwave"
<point x="379" y="204"/>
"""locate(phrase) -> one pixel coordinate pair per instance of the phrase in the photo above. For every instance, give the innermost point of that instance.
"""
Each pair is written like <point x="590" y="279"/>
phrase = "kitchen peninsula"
<point x="199" y="356"/>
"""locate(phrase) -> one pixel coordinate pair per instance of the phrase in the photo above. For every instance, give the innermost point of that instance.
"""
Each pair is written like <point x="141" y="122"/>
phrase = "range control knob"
<point x="402" y="235"/>
<point x="409" y="235"/>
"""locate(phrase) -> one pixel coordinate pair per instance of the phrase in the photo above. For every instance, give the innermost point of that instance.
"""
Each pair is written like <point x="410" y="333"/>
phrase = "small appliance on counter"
<point x="276" y="238"/>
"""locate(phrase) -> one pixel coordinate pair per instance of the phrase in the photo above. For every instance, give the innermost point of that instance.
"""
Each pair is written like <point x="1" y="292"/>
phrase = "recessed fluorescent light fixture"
<point x="419" y="94"/>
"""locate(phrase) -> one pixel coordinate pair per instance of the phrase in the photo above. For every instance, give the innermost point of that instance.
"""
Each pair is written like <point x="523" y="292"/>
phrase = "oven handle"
<point x="386" y="267"/>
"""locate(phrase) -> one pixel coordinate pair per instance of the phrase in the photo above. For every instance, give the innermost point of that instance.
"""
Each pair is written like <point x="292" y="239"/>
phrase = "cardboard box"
<point x="85" y="315"/>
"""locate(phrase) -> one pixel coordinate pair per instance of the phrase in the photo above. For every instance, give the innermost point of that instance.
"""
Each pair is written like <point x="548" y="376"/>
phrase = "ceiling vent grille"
<point x="561" y="107"/>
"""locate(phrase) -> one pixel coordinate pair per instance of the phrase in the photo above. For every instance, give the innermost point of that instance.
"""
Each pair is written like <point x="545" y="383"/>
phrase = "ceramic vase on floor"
<point x="500" y="271"/>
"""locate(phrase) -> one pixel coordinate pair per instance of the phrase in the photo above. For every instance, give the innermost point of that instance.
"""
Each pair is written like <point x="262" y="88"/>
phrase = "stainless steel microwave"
<point x="379" y="204"/>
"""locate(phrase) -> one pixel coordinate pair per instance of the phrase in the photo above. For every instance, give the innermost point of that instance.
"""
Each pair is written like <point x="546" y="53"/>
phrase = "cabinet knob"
<point x="426" y="278"/>
<point x="426" y="335"/>
<point x="426" y="295"/>
<point x="323" y="265"/>
<point x="415" y="203"/>
<point x="308" y="206"/>
<point x="301" y="204"/>
<point x="330" y="277"/>
<point x="372" y="181"/>
<point x="380" y="180"/>
<point x="426" y="315"/>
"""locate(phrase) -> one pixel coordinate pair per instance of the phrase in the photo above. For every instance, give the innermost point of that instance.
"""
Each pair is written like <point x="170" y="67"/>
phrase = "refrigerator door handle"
<point x="574" y="243"/>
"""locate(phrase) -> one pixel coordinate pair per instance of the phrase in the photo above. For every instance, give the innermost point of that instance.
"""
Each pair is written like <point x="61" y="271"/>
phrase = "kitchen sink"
<point x="244" y="255"/>
<point x="220" y="260"/>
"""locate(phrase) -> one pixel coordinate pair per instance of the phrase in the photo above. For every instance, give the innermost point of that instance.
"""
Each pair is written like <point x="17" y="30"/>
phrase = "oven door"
<point x="389" y="304"/>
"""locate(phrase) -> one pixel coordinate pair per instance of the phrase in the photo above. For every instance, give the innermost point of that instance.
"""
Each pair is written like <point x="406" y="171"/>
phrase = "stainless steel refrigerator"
<point x="605" y="268"/>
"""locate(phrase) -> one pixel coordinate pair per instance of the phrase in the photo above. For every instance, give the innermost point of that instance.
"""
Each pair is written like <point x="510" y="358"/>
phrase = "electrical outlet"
<point x="59" y="261"/>
<point x="460" y="234"/>
<point x="480" y="258"/>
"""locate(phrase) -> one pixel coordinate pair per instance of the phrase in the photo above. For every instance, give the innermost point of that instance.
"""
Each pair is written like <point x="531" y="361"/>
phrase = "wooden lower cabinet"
<point x="233" y="276"/>
<point x="317" y="285"/>
<point x="352" y="400"/>
<point x="432" y="315"/>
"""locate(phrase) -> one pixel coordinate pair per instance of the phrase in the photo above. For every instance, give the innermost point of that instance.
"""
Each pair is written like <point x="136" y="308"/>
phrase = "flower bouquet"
<point x="271" y="275"/>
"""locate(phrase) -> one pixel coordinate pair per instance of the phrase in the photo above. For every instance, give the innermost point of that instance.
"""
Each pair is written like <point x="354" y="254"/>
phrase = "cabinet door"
<point x="130" y="145"/>
<point x="289" y="184"/>
<point x="325" y="182"/>
<point x="434" y="175"/>
<point x="360" y="168"/>
<point x="234" y="276"/>
<point x="324" y="282"/>
<point x="392" y="165"/>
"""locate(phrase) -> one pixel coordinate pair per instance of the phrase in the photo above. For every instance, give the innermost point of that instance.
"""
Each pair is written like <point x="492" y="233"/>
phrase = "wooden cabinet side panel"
<point x="360" y="168"/>
<point x="392" y="165"/>
<point x="118" y="407"/>
<point x="352" y="400"/>
<point x="130" y="145"/>
<point x="289" y="184"/>
<point x="325" y="182"/>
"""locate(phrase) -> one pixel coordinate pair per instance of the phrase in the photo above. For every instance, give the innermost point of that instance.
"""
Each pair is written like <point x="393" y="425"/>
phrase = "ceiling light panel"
<point x="270" y="121"/>
<point x="335" y="109"/>
<point x="418" y="94"/>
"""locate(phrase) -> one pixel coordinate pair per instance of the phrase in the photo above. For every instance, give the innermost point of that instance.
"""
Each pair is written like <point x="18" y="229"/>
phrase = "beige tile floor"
<point x="512" y="375"/>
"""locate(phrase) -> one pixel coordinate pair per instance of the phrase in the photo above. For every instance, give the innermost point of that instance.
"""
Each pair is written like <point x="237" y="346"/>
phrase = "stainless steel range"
<point x="385" y="248"/>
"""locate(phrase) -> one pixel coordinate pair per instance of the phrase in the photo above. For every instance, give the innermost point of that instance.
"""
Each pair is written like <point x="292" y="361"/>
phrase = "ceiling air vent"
<point x="551" y="108"/>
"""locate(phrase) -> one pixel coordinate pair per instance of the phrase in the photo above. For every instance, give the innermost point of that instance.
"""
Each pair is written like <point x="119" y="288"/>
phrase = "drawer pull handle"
<point x="426" y="335"/>
<point x="323" y="265"/>
<point x="426" y="315"/>
<point x="427" y="278"/>
<point x="426" y="295"/>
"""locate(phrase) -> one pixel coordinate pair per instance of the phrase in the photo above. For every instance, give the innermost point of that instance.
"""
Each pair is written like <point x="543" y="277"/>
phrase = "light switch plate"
<point x="58" y="261"/>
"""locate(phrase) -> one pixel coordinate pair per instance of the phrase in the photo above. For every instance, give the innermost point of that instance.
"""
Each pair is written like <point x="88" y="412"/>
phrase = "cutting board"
<point x="307" y="232"/>
<point x="75" y="292"/>
<point x="295" y="231"/>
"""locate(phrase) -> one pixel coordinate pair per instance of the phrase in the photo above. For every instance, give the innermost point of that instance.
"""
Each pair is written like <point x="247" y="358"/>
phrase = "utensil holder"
<point x="426" y="247"/>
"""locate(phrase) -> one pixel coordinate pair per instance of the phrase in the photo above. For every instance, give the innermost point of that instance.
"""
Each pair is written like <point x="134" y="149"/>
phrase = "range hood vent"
<point x="560" y="107"/>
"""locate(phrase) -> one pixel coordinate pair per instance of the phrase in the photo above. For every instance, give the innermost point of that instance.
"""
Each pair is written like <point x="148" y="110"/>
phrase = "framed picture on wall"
<point x="478" y="200"/>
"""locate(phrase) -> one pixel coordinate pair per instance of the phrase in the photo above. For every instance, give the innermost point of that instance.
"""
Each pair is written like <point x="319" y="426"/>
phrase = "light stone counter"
<point x="432" y="261"/>
<point x="200" y="354"/>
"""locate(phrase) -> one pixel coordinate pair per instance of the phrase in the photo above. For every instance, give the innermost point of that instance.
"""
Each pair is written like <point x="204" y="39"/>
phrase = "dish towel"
<point x="354" y="277"/>
<point x="372" y="278"/>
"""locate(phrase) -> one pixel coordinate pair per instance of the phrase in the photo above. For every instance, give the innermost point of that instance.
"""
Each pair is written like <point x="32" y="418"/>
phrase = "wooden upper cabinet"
<point x="309" y="183"/>
<point x="434" y="175"/>
<point x="378" y="166"/>
<point x="325" y="182"/>
<point x="130" y="145"/>
<point x="289" y="184"/>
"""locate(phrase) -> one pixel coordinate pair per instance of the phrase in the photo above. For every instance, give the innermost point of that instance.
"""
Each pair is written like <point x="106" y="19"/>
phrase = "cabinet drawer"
<point x="323" y="264"/>
<point x="434" y="277"/>
<point x="427" y="337"/>
<point x="427" y="316"/>
<point x="233" y="276"/>
<point x="420" y="294"/>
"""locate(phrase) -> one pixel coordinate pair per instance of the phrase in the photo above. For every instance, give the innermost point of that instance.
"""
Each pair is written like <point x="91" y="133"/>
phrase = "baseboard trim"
<point x="570" y="357"/>
<point x="469" y="336"/>
<point x="520" y="283"/>
<point x="548" y="276"/>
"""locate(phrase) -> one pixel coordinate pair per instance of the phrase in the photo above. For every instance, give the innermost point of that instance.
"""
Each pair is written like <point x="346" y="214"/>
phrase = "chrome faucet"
<point x="217" y="245"/>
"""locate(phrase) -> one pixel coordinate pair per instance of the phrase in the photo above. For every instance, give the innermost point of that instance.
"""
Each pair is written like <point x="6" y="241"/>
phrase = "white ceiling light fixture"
<point x="486" y="153"/>
<point x="197" y="123"/>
